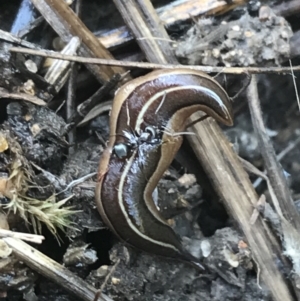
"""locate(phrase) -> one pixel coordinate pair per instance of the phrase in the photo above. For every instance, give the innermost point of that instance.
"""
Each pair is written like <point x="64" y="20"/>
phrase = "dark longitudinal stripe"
<point x="184" y="90"/>
<point x="124" y="193"/>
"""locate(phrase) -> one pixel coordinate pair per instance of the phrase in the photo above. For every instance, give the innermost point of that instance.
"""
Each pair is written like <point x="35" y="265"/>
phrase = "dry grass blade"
<point x="21" y="96"/>
<point x="50" y="212"/>
<point x="38" y="239"/>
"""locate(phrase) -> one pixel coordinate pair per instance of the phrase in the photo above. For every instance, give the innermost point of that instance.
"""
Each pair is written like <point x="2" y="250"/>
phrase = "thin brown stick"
<point x="273" y="167"/>
<point x="295" y="85"/>
<point x="142" y="19"/>
<point x="129" y="64"/>
<point x="279" y="157"/>
<point x="108" y="276"/>
<point x="103" y="107"/>
<point x="233" y="186"/>
<point x="53" y="270"/>
<point x="71" y="107"/>
<point x="21" y="96"/>
<point x="280" y="193"/>
<point x="174" y="12"/>
<point x="65" y="22"/>
<point x="71" y="94"/>
<point x="58" y="73"/>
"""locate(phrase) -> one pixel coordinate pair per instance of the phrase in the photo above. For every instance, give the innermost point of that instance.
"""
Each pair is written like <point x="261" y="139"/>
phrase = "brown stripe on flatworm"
<point x="164" y="98"/>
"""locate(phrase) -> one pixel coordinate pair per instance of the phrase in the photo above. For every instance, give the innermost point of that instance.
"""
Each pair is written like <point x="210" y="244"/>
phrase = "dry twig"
<point x="281" y="196"/>
<point x="21" y="96"/>
<point x="33" y="238"/>
<point x="52" y="270"/>
<point x="129" y="64"/>
<point x="65" y="22"/>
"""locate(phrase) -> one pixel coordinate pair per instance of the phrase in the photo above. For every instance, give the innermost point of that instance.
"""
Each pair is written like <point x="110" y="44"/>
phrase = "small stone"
<point x="206" y="248"/>
<point x="3" y="143"/>
<point x="187" y="180"/>
<point x="31" y="66"/>
<point x="236" y="28"/>
<point x="102" y="271"/>
<point x="115" y="280"/>
<point x="5" y="250"/>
